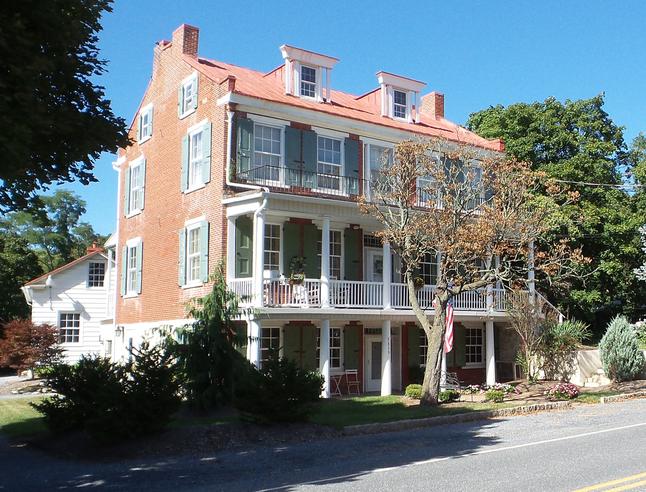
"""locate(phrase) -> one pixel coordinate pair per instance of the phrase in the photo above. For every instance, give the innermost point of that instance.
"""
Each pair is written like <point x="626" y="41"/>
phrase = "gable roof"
<point x="38" y="281"/>
<point x="270" y="87"/>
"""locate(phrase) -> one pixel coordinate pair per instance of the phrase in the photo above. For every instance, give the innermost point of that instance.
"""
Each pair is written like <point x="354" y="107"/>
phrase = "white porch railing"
<point x="279" y="292"/>
<point x="353" y="293"/>
<point x="243" y="288"/>
<point x="399" y="296"/>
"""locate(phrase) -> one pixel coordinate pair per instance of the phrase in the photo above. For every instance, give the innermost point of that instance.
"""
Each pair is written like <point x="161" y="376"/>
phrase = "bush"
<point x="558" y="347"/>
<point x="25" y="345"/>
<point x="496" y="396"/>
<point x="619" y="348"/>
<point x="447" y="396"/>
<point x="279" y="392"/>
<point x="111" y="401"/>
<point x="414" y="391"/>
<point x="563" y="391"/>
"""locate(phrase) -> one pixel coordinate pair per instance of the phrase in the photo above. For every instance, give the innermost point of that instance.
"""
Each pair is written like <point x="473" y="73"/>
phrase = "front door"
<point x="374" y="265"/>
<point x="372" y="351"/>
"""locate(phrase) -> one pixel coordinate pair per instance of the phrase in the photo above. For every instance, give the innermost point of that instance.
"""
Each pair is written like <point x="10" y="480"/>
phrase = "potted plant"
<point x="418" y="282"/>
<point x="297" y="270"/>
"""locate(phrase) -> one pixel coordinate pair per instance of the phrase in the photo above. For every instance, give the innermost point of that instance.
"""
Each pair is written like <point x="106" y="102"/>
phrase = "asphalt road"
<point x="566" y="450"/>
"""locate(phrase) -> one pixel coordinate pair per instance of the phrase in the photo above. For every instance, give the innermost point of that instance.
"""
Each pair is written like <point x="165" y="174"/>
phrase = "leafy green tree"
<point x="55" y="232"/>
<point x="578" y="141"/>
<point x="54" y="119"/>
<point x="18" y="264"/>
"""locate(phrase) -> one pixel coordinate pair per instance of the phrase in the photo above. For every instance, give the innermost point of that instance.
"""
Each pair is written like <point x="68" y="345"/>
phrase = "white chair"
<point x="352" y="381"/>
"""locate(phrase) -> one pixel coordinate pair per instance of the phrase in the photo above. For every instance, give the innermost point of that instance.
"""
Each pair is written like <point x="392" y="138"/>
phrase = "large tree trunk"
<point x="434" y="336"/>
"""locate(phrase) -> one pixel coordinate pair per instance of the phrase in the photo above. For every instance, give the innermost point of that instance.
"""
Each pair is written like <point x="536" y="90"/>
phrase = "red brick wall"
<point x="166" y="207"/>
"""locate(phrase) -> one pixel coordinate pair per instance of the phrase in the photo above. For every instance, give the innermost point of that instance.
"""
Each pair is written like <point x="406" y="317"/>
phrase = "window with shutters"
<point x="131" y="263"/>
<point x="473" y="346"/>
<point x="336" y="250"/>
<point x="193" y="250"/>
<point x="145" y="130"/>
<point x="423" y="348"/>
<point x="329" y="163"/>
<point x="272" y="247"/>
<point x="336" y="348"/>
<point x="188" y="96"/>
<point x="267" y="153"/>
<point x="132" y="270"/>
<point x="136" y="186"/>
<point x="193" y="254"/>
<point x="69" y="327"/>
<point x="308" y="81"/>
<point x="195" y="159"/>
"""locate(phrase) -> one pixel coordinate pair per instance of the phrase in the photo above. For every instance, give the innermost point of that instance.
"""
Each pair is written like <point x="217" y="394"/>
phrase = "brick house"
<point x="262" y="171"/>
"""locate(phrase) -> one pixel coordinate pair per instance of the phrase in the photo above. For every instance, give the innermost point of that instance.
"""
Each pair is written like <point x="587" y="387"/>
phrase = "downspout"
<point x="117" y="167"/>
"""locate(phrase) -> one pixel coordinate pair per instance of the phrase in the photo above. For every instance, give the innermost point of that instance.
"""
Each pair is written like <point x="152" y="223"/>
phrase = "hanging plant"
<point x="297" y="270"/>
<point x="418" y="282"/>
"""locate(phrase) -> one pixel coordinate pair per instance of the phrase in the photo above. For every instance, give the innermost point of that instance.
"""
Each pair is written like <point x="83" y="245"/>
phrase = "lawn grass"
<point x="594" y="397"/>
<point x="18" y="419"/>
<point x="371" y="409"/>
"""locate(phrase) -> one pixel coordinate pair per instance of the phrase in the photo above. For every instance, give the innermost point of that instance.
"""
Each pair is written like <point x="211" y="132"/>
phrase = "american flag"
<point x="448" y="333"/>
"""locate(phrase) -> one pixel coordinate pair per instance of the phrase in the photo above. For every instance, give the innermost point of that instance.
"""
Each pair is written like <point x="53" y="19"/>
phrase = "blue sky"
<point x="479" y="53"/>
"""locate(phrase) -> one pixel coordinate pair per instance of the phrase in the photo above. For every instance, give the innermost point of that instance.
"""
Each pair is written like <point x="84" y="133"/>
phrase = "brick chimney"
<point x="433" y="105"/>
<point x="186" y="38"/>
<point x="93" y="249"/>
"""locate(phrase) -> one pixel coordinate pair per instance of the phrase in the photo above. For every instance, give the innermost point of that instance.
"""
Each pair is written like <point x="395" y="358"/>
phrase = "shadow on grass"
<point x="28" y="427"/>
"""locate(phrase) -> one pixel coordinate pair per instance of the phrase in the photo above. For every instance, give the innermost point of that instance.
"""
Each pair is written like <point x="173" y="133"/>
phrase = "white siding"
<point x="70" y="293"/>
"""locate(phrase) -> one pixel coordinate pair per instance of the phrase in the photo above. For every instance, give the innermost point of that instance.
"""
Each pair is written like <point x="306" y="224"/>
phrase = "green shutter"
<point x="180" y="96"/>
<point x="309" y="347"/>
<point x="351" y="347"/>
<point x="126" y="196"/>
<point x="139" y="266"/>
<point x="184" y="177"/>
<point x="293" y="156"/>
<point x="206" y="152"/>
<point x="310" y="159"/>
<point x="196" y="92"/>
<point x="143" y="184"/>
<point x="124" y="270"/>
<point x="245" y="144"/>
<point x="181" y="276"/>
<point x="243" y="246"/>
<point x="138" y="127"/>
<point x="204" y="251"/>
<point x="311" y="237"/>
<point x="241" y="334"/>
<point x="352" y="253"/>
<point x="150" y="120"/>
<point x="291" y="244"/>
<point x="292" y="343"/>
<point x="352" y="165"/>
<point x="414" y="333"/>
<point x="459" y="340"/>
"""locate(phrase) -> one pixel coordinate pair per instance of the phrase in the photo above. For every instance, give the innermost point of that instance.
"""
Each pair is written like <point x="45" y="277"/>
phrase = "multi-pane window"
<point x="423" y="348"/>
<point x="269" y="341"/>
<point x="335" y="254"/>
<point x="425" y="192"/>
<point x="428" y="269"/>
<point x="399" y="104"/>
<point x="145" y="123"/>
<point x="132" y="269"/>
<point x="336" y="348"/>
<point x="136" y="186"/>
<point x="267" y="151"/>
<point x="193" y="255"/>
<point x="131" y="262"/>
<point x="96" y="274"/>
<point x="308" y="81"/>
<point x="329" y="163"/>
<point x="473" y="345"/>
<point x="188" y="96"/>
<point x="195" y="159"/>
<point x="272" y="247"/>
<point x="378" y="157"/>
<point x="69" y="327"/>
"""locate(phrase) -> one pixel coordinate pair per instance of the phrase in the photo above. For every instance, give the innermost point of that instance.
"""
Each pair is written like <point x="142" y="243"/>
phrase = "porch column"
<point x="258" y="258"/>
<point x="490" y="352"/>
<point x="386" y="354"/>
<point x="325" y="263"/>
<point x="324" y="357"/>
<point x="387" y="275"/>
<point x="231" y="248"/>
<point x="253" y="351"/>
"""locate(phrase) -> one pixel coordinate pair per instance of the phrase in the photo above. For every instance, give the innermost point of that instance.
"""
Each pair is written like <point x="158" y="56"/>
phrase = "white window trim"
<point x="192" y="131"/>
<point x="281" y="266"/>
<point x="342" y="174"/>
<point x="341" y="368"/>
<point x="318" y="255"/>
<point x="368" y="144"/>
<point x="58" y="322"/>
<point x="317" y="82"/>
<point x="273" y="123"/>
<point x="189" y="80"/>
<point x="407" y="118"/>
<point x="130" y="244"/>
<point x="132" y="164"/>
<point x="194" y="282"/>
<point x="474" y="365"/>
<point x="105" y="274"/>
<point x="280" y="340"/>
<point x="148" y="108"/>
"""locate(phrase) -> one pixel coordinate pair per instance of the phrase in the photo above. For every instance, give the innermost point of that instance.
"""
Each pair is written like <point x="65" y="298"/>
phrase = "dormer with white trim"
<point x="307" y="74"/>
<point x="399" y="96"/>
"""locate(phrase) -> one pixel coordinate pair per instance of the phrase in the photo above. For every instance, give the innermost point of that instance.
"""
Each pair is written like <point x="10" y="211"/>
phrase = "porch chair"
<point x="451" y="381"/>
<point x="352" y="381"/>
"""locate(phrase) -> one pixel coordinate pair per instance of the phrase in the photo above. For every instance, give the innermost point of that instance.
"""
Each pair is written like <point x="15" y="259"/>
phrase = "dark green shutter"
<point x="241" y="335"/>
<point x="184" y="177"/>
<point x="414" y="333"/>
<point x="352" y="165"/>
<point x="310" y="159"/>
<point x="143" y="184"/>
<point x="124" y="270"/>
<point x="181" y="260"/>
<point x="311" y="237"/>
<point x="126" y="196"/>
<point x="139" y="266"/>
<point x="309" y="347"/>
<point x="293" y="156"/>
<point x="244" y="144"/>
<point x="139" y="127"/>
<point x="204" y="251"/>
<point x="206" y="153"/>
<point x="244" y="246"/>
<point x="195" y="92"/>
<point x="180" y="97"/>
<point x="291" y="244"/>
<point x="352" y="251"/>
<point x="292" y="343"/>
<point x="459" y="340"/>
<point x="351" y="347"/>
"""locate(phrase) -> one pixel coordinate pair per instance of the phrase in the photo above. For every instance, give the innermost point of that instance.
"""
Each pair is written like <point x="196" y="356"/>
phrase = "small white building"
<point x="78" y="298"/>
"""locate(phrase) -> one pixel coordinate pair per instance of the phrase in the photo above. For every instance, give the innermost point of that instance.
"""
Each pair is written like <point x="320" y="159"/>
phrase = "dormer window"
<point x="308" y="81"/>
<point x="400" y="108"/>
<point x="307" y="74"/>
<point x="399" y="96"/>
